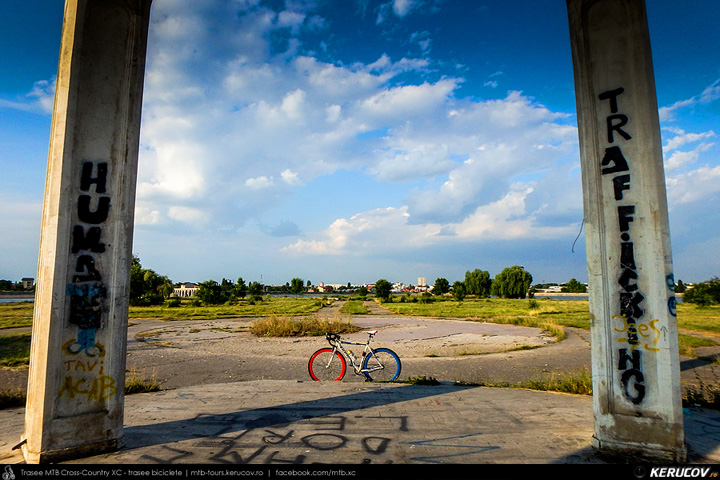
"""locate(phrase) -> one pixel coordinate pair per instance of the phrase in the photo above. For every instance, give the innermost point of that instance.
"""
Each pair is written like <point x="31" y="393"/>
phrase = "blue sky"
<point x="347" y="141"/>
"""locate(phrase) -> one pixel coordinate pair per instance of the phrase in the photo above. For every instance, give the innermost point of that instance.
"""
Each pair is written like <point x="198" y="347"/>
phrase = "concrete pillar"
<point x="636" y="374"/>
<point x="77" y="365"/>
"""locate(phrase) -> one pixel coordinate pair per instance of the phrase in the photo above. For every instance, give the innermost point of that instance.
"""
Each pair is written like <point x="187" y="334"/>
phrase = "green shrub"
<point x="704" y="293"/>
<point x="173" y="303"/>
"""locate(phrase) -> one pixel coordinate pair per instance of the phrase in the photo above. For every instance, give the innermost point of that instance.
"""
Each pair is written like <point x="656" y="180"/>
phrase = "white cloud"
<point x="676" y="159"/>
<point x="290" y="19"/>
<point x="411" y="160"/>
<point x="409" y="99"/>
<point x="172" y="170"/>
<point x="189" y="215"/>
<point x="390" y="230"/>
<point x="293" y="104"/>
<point x="709" y="95"/>
<point x="398" y="8"/>
<point x="259" y="183"/>
<point x="693" y="186"/>
<point x="682" y="159"/>
<point x="290" y="177"/>
<point x="384" y="228"/>
<point x="145" y="215"/>
<point x="507" y="219"/>
<point x="39" y="99"/>
<point x="229" y="136"/>
<point x="214" y="127"/>
<point x="684" y="138"/>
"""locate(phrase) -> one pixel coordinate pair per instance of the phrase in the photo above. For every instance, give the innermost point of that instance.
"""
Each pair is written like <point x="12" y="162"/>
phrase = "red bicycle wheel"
<point x="327" y="365"/>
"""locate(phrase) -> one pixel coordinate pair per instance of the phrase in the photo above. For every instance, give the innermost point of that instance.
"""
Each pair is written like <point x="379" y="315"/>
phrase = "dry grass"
<point x="301" y="327"/>
<point x="579" y="383"/>
<point x="135" y="383"/>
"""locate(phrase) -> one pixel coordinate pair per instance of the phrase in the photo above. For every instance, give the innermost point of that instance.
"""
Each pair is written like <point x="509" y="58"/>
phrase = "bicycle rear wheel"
<point x="327" y="365"/>
<point x="382" y="365"/>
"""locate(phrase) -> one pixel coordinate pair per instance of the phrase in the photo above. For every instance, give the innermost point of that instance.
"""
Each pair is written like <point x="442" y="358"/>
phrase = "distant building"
<point x="422" y="282"/>
<point x="185" y="290"/>
<point x="27" y="283"/>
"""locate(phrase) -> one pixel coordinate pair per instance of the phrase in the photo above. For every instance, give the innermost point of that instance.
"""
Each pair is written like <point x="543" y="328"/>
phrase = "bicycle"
<point x="379" y="364"/>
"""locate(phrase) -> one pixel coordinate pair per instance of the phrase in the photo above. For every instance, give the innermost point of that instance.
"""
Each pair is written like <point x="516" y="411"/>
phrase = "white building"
<point x="185" y="290"/>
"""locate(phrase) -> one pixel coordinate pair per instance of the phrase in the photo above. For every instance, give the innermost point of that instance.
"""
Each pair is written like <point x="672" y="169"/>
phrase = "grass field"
<point x="19" y="314"/>
<point x="698" y="326"/>
<point x="16" y="314"/>
<point x="14" y="349"/>
<point x="286" y="306"/>
<point x="695" y="323"/>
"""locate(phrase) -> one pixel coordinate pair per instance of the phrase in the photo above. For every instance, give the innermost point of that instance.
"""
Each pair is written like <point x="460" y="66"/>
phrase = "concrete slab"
<point x="309" y="423"/>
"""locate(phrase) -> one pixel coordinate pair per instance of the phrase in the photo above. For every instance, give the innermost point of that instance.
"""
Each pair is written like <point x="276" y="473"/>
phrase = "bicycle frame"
<point x="337" y="343"/>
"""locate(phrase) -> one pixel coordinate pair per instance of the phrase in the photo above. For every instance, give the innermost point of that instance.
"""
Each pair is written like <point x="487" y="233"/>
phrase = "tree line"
<point x="147" y="287"/>
<point x="150" y="288"/>
<point x="9" y="285"/>
<point x="511" y="282"/>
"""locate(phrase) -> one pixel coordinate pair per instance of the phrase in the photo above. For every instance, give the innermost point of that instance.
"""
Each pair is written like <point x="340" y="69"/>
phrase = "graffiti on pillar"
<point x="672" y="303"/>
<point x="636" y="334"/>
<point x="84" y="376"/>
<point x="645" y="335"/>
<point x="87" y="291"/>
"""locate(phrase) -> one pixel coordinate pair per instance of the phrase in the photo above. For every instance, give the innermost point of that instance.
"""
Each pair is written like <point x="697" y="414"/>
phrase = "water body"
<point x="12" y="300"/>
<point x="678" y="299"/>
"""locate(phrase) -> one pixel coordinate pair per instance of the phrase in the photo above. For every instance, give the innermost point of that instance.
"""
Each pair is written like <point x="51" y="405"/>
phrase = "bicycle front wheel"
<point x="382" y="365"/>
<point x="326" y="364"/>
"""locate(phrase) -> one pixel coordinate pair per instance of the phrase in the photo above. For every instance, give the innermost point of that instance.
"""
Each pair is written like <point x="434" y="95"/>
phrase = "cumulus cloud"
<point x="689" y="157"/>
<point x="39" y="99"/>
<point x="251" y="119"/>
<point x="675" y="158"/>
<point x="379" y="228"/>
<point x="391" y="230"/>
<point x="228" y="138"/>
<point x="194" y="216"/>
<point x="701" y="183"/>
<point x="689" y="179"/>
